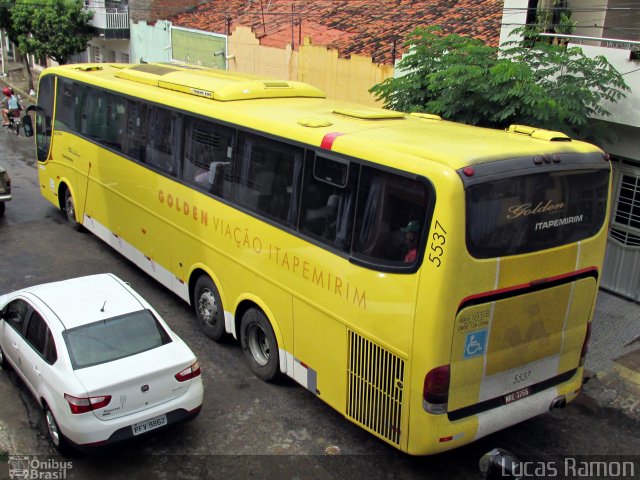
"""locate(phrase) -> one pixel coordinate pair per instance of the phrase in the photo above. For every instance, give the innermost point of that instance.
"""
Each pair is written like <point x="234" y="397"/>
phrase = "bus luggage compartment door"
<point x="515" y="341"/>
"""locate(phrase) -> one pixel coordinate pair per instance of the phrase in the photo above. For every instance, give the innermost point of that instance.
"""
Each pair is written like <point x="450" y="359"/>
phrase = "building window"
<point x="95" y="55"/>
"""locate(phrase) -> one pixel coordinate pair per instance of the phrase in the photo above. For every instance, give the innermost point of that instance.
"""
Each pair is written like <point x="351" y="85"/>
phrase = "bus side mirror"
<point x="499" y="464"/>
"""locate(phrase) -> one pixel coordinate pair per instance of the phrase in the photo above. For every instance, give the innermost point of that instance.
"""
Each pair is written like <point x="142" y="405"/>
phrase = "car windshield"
<point x="114" y="338"/>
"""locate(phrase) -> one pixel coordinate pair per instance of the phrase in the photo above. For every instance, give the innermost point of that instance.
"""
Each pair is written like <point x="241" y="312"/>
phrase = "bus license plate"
<point x="517" y="395"/>
<point x="142" y="427"/>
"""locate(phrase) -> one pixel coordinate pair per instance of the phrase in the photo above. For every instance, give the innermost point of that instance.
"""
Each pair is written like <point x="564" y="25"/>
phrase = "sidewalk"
<point x="613" y="360"/>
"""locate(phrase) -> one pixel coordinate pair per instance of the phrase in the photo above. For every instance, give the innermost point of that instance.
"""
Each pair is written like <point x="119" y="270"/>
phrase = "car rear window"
<point x="114" y="338"/>
<point x="534" y="212"/>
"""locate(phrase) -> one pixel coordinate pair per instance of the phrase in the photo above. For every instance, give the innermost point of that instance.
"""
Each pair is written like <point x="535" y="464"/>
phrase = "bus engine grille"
<point x="376" y="379"/>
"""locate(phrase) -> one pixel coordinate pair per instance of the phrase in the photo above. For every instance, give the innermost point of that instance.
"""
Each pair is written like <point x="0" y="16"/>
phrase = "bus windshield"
<point x="534" y="212"/>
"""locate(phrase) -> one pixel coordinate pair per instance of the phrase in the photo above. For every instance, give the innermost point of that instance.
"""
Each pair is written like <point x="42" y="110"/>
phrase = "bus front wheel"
<point x="259" y="345"/>
<point x="70" y="210"/>
<point x="208" y="308"/>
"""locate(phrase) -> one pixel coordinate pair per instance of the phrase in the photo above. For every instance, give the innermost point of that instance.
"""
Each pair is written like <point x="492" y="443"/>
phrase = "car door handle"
<point x="36" y="370"/>
<point x="15" y="346"/>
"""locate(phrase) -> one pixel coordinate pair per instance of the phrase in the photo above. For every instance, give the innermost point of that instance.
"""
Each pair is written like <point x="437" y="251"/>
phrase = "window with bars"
<point x="627" y="211"/>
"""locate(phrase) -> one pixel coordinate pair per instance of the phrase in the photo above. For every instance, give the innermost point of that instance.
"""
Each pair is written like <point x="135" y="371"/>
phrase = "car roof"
<point x="83" y="300"/>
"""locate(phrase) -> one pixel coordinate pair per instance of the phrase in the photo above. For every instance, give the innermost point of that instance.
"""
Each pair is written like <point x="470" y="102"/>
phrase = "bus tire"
<point x="70" y="211"/>
<point x="259" y="345"/>
<point x="1" y="208"/>
<point x="208" y="308"/>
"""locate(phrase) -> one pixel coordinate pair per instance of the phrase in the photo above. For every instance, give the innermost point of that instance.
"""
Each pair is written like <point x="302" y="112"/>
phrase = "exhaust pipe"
<point x="558" y="402"/>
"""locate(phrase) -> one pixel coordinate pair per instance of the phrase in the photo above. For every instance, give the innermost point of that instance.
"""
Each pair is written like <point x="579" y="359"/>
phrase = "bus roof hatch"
<point x="216" y="84"/>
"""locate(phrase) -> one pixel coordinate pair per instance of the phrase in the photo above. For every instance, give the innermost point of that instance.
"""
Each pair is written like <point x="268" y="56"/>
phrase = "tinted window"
<point x="116" y="118"/>
<point x="328" y="201"/>
<point x="265" y="175"/>
<point x="207" y="156"/>
<point x="114" y="338"/>
<point x="93" y="113"/>
<point x="16" y="314"/>
<point x="50" y="352"/>
<point x="535" y="212"/>
<point x="68" y="105"/>
<point x="44" y="114"/>
<point x="160" y="141"/>
<point x="134" y="142"/>
<point x="37" y="333"/>
<point x="391" y="217"/>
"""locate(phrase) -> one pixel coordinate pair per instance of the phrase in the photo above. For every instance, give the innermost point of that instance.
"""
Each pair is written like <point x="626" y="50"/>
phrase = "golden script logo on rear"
<point x="527" y="209"/>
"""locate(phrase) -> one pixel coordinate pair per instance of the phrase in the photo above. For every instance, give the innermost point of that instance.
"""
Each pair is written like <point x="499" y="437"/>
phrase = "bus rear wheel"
<point x="208" y="307"/>
<point x="259" y="345"/>
<point x="70" y="210"/>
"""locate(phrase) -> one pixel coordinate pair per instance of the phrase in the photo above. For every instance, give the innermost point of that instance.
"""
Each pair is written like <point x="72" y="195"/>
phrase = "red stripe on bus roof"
<point x="329" y="138"/>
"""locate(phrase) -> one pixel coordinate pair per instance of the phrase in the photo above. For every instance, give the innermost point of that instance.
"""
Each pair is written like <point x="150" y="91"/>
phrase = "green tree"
<point x="50" y="28"/>
<point x="462" y="79"/>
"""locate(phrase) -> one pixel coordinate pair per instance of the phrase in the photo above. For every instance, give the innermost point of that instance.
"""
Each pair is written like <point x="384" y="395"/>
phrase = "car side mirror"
<point x="500" y="464"/>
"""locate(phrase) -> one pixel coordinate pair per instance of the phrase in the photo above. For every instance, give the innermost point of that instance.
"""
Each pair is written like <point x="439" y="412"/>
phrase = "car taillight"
<point x="86" y="404"/>
<point x="585" y="345"/>
<point x="188" y="373"/>
<point x="435" y="394"/>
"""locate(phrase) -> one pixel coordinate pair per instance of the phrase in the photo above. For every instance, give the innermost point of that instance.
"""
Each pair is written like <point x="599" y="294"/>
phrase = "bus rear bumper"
<point x="437" y="433"/>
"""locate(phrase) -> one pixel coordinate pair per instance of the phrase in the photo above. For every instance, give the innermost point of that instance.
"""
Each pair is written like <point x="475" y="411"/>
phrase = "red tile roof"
<point x="364" y="27"/>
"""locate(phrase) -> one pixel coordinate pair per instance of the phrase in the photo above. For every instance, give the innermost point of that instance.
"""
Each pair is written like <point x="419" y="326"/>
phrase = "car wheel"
<point x="1" y="209"/>
<point x="208" y="307"/>
<point x="70" y="210"/>
<point x="259" y="345"/>
<point x="55" y="435"/>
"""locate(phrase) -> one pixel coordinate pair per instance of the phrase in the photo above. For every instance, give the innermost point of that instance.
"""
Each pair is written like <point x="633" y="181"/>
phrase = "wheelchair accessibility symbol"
<point x="475" y="344"/>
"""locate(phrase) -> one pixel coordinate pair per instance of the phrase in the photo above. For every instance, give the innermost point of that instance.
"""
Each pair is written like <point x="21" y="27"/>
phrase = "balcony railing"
<point x="110" y="22"/>
<point x="603" y="42"/>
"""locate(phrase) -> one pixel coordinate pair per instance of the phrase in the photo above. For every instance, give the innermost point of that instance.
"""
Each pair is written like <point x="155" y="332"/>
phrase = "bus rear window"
<point x="534" y="212"/>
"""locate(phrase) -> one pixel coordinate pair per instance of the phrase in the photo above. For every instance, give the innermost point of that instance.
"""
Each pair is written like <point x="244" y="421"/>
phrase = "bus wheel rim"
<point x="258" y="344"/>
<point x="208" y="307"/>
<point x="71" y="211"/>
<point x="53" y="429"/>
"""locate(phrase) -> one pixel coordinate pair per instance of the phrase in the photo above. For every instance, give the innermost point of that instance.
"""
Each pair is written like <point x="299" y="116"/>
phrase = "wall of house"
<point x="590" y="15"/>
<point x="105" y="51"/>
<point x="627" y="111"/>
<point x="150" y="43"/>
<point x="340" y="78"/>
<point x="248" y="56"/>
<point x="198" y="48"/>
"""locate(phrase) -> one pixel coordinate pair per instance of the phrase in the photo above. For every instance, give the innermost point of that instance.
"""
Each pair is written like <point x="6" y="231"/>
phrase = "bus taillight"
<point x="585" y="345"/>
<point x="435" y="394"/>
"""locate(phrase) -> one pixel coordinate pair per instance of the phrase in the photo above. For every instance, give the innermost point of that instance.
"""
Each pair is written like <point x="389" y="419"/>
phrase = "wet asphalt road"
<point x="247" y="428"/>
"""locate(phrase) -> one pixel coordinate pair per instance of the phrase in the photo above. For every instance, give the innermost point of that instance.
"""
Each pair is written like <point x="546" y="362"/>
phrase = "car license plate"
<point x="517" y="395"/>
<point x="151" y="424"/>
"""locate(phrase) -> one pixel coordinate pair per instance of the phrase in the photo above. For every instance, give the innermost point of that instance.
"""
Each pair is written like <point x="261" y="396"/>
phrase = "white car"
<point x="99" y="360"/>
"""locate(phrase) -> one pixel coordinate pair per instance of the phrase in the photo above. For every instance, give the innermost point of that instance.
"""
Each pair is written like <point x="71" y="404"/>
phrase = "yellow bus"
<point x="433" y="282"/>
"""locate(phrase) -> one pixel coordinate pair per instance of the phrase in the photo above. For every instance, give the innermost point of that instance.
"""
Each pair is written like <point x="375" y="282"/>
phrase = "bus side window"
<point x="266" y="177"/>
<point x="160" y="140"/>
<point x="390" y="207"/>
<point x="93" y="114"/>
<point x="135" y="139"/>
<point x="115" y="126"/>
<point x="208" y="150"/>
<point x="328" y="201"/>
<point x="66" y="105"/>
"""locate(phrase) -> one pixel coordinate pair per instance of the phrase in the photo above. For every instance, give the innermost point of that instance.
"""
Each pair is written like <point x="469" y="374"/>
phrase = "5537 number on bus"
<point x="436" y="247"/>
